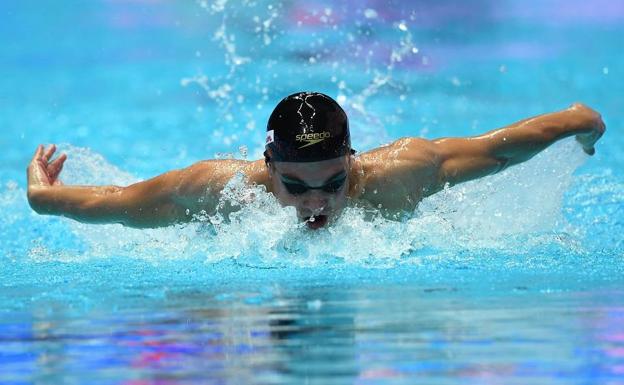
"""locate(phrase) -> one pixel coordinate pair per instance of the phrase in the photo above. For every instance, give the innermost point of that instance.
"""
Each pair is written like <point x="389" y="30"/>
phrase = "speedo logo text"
<point x="313" y="138"/>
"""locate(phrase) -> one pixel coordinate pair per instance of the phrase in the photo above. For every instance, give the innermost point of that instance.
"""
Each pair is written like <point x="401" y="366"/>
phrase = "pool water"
<point x="516" y="278"/>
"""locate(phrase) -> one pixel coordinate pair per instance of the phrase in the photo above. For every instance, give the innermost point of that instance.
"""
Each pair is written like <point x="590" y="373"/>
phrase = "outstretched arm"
<point x="463" y="159"/>
<point x="166" y="199"/>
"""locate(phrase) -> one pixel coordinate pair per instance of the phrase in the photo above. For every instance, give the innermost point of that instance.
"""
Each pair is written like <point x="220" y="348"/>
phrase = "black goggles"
<point x="298" y="188"/>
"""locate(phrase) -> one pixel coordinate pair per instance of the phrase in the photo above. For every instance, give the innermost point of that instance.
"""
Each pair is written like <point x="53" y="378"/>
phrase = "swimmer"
<point x="309" y="164"/>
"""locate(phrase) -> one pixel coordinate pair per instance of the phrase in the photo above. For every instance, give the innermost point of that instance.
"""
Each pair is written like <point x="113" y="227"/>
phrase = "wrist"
<point x="38" y="197"/>
<point x="584" y="119"/>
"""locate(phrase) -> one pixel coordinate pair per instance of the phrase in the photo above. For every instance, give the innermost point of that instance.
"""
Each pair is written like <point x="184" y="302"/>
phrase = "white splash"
<point x="515" y="211"/>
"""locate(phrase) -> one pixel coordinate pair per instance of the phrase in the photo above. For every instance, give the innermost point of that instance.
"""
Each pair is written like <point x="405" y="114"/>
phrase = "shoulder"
<point x="404" y="150"/>
<point x="212" y="175"/>
<point x="399" y="174"/>
<point x="403" y="155"/>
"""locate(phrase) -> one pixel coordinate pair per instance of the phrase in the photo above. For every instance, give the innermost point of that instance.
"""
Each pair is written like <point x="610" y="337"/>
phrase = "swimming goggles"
<point x="295" y="187"/>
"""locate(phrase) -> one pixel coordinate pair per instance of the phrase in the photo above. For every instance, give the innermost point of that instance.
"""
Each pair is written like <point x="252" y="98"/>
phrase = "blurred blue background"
<point x="109" y="74"/>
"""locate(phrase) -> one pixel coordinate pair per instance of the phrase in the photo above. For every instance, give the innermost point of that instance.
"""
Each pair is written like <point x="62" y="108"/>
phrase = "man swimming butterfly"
<point x="309" y="164"/>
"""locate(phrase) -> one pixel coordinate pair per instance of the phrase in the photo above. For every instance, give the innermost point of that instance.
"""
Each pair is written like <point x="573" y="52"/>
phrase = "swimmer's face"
<point x="318" y="190"/>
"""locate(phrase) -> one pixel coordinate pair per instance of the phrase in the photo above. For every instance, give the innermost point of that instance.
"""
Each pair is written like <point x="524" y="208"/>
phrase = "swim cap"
<point x="307" y="127"/>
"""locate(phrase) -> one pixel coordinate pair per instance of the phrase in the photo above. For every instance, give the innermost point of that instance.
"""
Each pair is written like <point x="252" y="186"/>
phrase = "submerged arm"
<point x="166" y="199"/>
<point x="463" y="159"/>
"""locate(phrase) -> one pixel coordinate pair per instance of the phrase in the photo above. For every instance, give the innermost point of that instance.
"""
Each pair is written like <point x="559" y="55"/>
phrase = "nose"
<point x="315" y="201"/>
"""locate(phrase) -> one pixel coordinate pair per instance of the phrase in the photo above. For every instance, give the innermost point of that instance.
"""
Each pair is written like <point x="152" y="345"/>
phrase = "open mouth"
<point x="316" y="221"/>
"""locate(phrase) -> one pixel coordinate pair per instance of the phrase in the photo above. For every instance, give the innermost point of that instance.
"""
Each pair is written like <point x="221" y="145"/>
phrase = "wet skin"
<point x="391" y="178"/>
<point x="315" y="206"/>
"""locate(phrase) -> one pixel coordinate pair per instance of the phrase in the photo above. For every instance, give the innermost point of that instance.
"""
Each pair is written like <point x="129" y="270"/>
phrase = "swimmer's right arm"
<point x="167" y="199"/>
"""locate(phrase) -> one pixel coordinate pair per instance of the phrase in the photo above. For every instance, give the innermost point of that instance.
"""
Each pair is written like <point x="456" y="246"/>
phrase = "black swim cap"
<point x="307" y="127"/>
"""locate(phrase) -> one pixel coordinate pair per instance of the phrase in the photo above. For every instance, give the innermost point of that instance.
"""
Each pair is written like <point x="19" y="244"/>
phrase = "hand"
<point x="43" y="172"/>
<point x="595" y="125"/>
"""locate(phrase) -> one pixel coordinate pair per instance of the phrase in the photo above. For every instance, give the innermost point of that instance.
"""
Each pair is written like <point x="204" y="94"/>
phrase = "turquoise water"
<point x="514" y="279"/>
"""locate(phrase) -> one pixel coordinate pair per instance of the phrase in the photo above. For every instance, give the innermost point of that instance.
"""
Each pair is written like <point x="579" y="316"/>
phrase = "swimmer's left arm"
<point x="462" y="159"/>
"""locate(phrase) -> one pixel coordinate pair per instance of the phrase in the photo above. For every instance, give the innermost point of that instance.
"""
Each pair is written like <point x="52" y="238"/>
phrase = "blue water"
<point x="516" y="278"/>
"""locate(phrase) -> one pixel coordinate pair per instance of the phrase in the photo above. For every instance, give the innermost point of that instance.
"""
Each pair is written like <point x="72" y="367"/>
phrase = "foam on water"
<point x="521" y="270"/>
<point x="517" y="212"/>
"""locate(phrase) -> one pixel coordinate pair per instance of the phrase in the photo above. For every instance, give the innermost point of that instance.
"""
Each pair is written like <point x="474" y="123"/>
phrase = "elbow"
<point x="126" y="206"/>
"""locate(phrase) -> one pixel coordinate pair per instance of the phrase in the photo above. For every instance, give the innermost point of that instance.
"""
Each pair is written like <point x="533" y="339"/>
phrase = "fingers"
<point x="55" y="167"/>
<point x="41" y="171"/>
<point x="48" y="154"/>
<point x="42" y="155"/>
<point x="38" y="153"/>
<point x="602" y="128"/>
<point x="58" y="161"/>
<point x="31" y="170"/>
